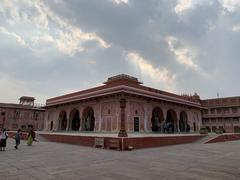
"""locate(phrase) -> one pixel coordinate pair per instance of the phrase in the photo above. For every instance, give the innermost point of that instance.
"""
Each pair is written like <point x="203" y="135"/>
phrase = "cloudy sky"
<point x="53" y="47"/>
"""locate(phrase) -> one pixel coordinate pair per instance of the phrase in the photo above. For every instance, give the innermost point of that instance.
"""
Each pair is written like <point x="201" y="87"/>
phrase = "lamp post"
<point x="122" y="132"/>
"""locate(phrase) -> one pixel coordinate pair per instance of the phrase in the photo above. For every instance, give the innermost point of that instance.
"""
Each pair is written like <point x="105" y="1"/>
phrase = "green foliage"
<point x="218" y="131"/>
<point x="203" y="130"/>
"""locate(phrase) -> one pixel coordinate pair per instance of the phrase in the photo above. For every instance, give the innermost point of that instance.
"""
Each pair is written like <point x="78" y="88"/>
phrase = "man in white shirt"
<point x="3" y="140"/>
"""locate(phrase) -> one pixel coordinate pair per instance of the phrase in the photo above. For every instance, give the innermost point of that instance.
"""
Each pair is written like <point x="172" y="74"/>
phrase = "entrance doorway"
<point x="136" y="124"/>
<point x="51" y="126"/>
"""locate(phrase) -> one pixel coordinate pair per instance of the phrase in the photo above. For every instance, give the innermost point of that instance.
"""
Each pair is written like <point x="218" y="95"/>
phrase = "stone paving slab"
<point x="49" y="161"/>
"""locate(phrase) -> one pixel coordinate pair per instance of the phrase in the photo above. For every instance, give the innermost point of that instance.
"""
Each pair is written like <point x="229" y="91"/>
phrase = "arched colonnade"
<point x="143" y="118"/>
<point x="74" y="121"/>
<point x="169" y="121"/>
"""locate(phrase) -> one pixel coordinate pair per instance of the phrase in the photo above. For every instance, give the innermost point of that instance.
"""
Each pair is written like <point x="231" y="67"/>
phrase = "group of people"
<point x="17" y="137"/>
<point x="167" y="127"/>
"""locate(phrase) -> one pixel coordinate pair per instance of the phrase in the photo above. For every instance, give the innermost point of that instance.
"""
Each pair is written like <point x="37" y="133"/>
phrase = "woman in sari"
<point x="30" y="137"/>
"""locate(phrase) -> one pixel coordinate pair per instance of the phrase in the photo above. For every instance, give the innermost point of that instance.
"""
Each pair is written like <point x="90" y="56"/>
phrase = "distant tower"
<point x="26" y="100"/>
<point x="196" y="97"/>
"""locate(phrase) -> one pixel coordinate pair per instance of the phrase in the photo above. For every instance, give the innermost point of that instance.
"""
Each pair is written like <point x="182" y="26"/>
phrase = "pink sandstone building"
<point x="123" y="98"/>
<point x="222" y="113"/>
<point x="22" y="115"/>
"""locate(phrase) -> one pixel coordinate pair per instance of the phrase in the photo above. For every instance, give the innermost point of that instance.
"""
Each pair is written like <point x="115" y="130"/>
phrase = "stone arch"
<point x="183" y="122"/>
<point x="62" y="120"/>
<point x="74" y="120"/>
<point x="88" y="119"/>
<point x="171" y="120"/>
<point x="157" y="119"/>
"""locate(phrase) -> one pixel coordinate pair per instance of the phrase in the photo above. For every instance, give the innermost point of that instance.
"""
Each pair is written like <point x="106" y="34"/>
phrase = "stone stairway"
<point x="207" y="138"/>
<point x="40" y="138"/>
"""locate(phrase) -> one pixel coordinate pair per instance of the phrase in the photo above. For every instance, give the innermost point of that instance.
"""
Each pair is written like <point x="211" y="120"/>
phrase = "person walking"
<point x="17" y="138"/>
<point x="4" y="136"/>
<point x="29" y="139"/>
<point x="31" y="136"/>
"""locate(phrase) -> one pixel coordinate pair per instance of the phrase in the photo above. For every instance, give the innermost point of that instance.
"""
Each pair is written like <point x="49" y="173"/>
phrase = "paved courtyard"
<point x="47" y="160"/>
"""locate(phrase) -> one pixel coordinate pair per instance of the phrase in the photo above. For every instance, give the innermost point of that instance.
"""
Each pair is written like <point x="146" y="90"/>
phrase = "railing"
<point x="221" y="115"/>
<point x="39" y="105"/>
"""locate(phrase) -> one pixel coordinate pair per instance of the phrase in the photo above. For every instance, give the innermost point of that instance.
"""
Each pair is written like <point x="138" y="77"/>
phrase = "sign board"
<point x="99" y="142"/>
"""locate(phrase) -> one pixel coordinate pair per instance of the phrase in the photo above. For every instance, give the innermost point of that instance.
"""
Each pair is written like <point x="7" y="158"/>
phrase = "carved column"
<point x="69" y="123"/>
<point x="177" y="122"/>
<point x="146" y="117"/>
<point x="99" y="115"/>
<point x="122" y="132"/>
<point x="56" y="121"/>
<point x="81" y="118"/>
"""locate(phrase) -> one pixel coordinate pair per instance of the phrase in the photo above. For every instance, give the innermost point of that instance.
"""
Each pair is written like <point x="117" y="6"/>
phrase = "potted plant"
<point x="203" y="130"/>
<point x="219" y="131"/>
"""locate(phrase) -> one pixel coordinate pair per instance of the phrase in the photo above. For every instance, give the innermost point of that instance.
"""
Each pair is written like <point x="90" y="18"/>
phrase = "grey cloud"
<point x="139" y="26"/>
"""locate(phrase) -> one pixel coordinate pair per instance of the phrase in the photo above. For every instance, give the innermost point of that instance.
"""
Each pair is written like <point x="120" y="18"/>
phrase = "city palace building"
<point x="222" y="113"/>
<point x="123" y="98"/>
<point x="22" y="115"/>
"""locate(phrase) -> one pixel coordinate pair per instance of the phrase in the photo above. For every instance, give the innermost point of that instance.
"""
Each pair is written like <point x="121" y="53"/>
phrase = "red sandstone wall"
<point x="24" y="118"/>
<point x="136" y="143"/>
<point x="146" y="142"/>
<point x="225" y="137"/>
<point x="78" y="140"/>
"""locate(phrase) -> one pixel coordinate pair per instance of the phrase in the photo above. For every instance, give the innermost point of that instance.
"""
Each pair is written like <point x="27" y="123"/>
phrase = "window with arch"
<point x="136" y="112"/>
<point x="17" y="114"/>
<point x="35" y="115"/>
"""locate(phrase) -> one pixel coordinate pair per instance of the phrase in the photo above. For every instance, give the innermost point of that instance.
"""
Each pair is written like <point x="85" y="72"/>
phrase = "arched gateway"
<point x="88" y="119"/>
<point x="183" y="122"/>
<point x="157" y="120"/>
<point x="171" y="121"/>
<point x="62" y="120"/>
<point x="74" y="120"/>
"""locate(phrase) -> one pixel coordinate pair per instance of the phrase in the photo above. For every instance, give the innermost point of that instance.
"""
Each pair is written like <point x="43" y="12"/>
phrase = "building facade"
<point x="147" y="109"/>
<point x="222" y="113"/>
<point x="22" y="115"/>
